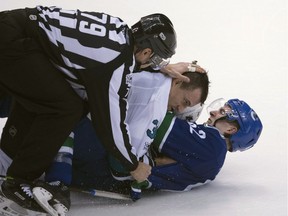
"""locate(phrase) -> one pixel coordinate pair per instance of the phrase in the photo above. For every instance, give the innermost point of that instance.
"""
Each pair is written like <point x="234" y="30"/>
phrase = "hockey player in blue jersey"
<point x="196" y="152"/>
<point x="186" y="154"/>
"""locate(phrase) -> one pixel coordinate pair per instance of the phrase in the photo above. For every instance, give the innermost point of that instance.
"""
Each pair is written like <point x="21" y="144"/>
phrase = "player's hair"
<point x="197" y="80"/>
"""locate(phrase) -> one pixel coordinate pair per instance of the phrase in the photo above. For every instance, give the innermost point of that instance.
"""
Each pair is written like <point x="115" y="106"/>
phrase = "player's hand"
<point x="142" y="172"/>
<point x="176" y="70"/>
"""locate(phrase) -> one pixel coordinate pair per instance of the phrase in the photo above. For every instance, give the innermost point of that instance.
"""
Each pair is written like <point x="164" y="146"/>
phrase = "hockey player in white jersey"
<point x="151" y="94"/>
<point x="149" y="97"/>
<point x="186" y="154"/>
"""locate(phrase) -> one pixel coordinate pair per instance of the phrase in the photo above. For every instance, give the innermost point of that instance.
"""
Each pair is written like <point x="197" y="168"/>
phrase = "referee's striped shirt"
<point x="95" y="53"/>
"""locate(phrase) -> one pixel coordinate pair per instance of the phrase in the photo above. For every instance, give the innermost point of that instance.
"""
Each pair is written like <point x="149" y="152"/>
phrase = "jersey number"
<point x="200" y="133"/>
<point x="93" y="28"/>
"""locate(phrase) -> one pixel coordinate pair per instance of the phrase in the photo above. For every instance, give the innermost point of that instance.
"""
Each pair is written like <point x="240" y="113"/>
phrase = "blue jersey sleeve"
<point x="175" y="177"/>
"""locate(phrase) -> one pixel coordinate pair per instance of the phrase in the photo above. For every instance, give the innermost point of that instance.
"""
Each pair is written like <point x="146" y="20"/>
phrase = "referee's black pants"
<point x="46" y="108"/>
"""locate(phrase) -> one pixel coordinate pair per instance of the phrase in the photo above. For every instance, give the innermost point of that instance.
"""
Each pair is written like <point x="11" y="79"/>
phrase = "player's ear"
<point x="178" y="82"/>
<point x="231" y="129"/>
<point x="147" y="52"/>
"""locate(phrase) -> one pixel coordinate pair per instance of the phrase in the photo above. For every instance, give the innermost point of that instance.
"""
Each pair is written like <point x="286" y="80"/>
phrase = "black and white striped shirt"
<point x="95" y="53"/>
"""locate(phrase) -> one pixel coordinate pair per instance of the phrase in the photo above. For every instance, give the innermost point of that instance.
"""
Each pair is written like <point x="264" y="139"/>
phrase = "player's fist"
<point x="142" y="172"/>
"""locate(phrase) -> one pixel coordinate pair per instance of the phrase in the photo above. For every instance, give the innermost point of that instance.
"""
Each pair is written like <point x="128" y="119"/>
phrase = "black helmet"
<point x="155" y="31"/>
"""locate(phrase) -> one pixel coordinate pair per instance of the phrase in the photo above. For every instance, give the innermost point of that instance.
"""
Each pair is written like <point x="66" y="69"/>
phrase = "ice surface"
<point x="243" y="44"/>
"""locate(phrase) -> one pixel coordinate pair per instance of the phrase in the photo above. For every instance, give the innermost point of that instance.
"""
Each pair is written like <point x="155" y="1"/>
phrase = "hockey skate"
<point x="10" y="208"/>
<point x="16" y="199"/>
<point x="53" y="197"/>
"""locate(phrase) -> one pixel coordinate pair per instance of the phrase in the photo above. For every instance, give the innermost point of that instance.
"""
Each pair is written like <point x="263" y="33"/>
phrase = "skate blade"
<point x="42" y="196"/>
<point x="10" y="208"/>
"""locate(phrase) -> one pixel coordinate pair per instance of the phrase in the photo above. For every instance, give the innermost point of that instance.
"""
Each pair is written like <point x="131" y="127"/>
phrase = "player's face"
<point x="180" y="98"/>
<point x="222" y="125"/>
<point x="217" y="114"/>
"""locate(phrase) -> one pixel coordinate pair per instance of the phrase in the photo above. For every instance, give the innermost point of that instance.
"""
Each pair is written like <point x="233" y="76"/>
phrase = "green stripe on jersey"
<point x="69" y="142"/>
<point x="162" y="130"/>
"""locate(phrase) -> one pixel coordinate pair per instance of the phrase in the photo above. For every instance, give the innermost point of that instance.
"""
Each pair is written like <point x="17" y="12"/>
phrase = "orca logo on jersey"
<point x="152" y="133"/>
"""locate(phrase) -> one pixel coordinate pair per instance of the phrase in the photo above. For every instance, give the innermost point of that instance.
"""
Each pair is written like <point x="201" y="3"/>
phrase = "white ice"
<point x="243" y="44"/>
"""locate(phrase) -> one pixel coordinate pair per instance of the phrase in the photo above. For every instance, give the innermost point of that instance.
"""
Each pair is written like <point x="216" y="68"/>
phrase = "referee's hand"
<point x="176" y="70"/>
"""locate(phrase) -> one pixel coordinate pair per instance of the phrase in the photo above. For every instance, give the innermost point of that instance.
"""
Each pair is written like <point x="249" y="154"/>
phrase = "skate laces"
<point x="27" y="190"/>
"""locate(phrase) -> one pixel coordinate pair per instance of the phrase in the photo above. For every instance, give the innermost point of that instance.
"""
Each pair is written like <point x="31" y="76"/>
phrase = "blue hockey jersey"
<point x="199" y="150"/>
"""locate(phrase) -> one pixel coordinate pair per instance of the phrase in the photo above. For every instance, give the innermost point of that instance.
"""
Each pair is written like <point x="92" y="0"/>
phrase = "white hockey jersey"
<point x="147" y="106"/>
